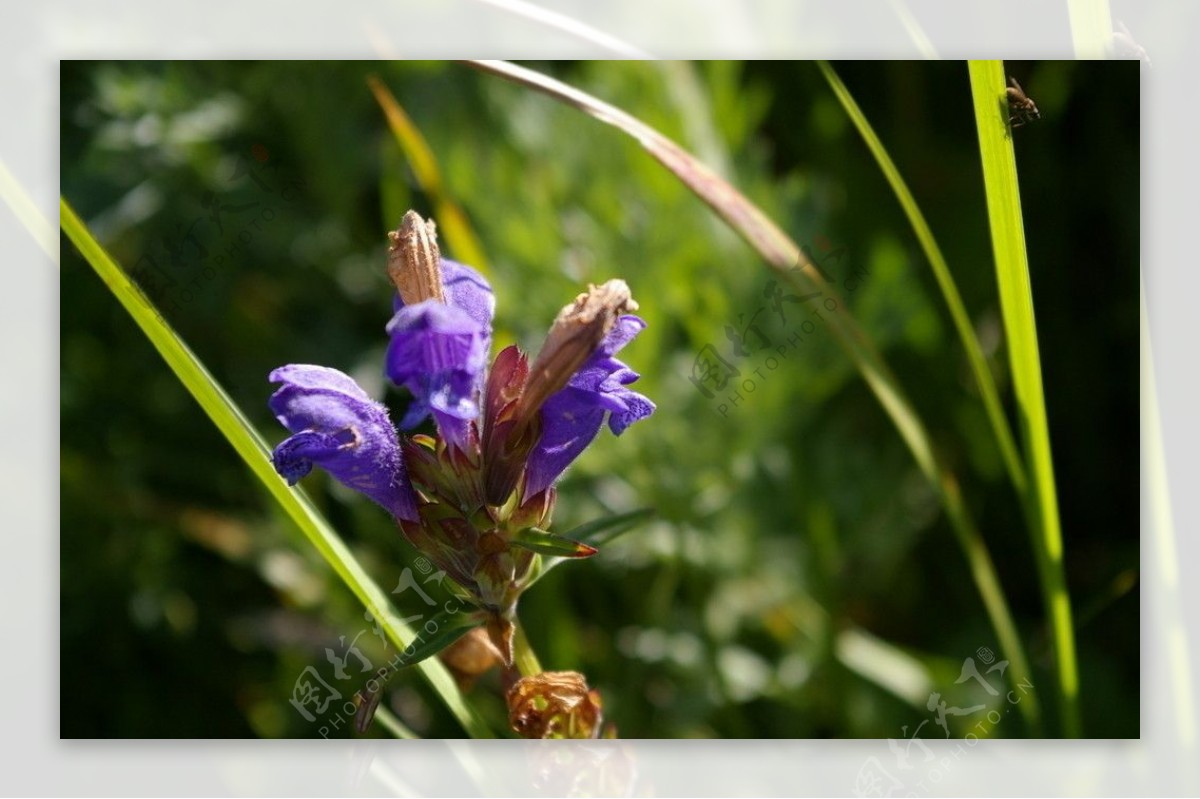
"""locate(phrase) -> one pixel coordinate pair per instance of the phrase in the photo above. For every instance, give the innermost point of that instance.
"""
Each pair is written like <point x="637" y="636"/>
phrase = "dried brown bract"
<point x="554" y="704"/>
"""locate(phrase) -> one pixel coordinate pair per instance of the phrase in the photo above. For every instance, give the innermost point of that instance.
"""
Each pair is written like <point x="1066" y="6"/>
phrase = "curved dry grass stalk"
<point x="786" y="257"/>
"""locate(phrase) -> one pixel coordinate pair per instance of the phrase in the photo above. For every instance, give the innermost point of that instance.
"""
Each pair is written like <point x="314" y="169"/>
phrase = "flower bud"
<point x="574" y="336"/>
<point x="414" y="261"/>
<point x="470" y="657"/>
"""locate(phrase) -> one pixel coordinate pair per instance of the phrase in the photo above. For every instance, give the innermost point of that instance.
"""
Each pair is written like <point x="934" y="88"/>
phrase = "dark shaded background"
<point x="794" y="532"/>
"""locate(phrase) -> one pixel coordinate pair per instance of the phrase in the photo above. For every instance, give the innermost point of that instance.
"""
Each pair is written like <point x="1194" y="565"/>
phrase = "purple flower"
<point x="337" y="426"/>
<point x="438" y="351"/>
<point x="456" y="499"/>
<point x="528" y="420"/>
<point x="572" y="417"/>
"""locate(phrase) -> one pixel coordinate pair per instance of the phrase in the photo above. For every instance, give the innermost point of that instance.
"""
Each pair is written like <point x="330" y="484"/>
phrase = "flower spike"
<point x="478" y="498"/>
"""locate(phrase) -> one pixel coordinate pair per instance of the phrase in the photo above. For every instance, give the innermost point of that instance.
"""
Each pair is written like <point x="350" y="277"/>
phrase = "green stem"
<point x="1016" y="301"/>
<point x="523" y="655"/>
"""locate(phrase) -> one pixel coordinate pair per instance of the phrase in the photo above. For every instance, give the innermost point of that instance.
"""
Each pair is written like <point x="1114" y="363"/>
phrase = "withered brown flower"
<point x="554" y="704"/>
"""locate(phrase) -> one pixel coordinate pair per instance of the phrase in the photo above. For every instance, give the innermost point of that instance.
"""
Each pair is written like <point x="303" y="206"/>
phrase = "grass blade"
<point x="785" y="256"/>
<point x="27" y="213"/>
<point x="395" y="726"/>
<point x="915" y="31"/>
<point x="249" y="445"/>
<point x="1168" y="584"/>
<point x="569" y="25"/>
<point x="452" y="221"/>
<point x="1091" y="27"/>
<point x="941" y="271"/>
<point x="1016" y="301"/>
<point x="743" y="216"/>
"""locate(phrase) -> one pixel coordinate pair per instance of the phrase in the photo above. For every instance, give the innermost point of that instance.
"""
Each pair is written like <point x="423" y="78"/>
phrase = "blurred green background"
<point x="798" y="580"/>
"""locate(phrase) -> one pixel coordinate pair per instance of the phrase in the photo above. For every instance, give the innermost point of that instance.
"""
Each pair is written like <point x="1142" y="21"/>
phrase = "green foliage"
<point x="796" y="560"/>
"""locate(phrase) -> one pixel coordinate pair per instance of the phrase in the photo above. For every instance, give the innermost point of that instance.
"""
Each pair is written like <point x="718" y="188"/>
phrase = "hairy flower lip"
<point x="438" y="351"/>
<point x="337" y="426"/>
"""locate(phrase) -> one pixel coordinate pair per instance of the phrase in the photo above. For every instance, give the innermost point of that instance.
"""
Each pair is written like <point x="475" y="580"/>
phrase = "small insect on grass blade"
<point x="1021" y="107"/>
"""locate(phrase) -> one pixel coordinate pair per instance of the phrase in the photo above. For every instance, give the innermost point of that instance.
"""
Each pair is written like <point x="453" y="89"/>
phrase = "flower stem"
<point x="523" y="654"/>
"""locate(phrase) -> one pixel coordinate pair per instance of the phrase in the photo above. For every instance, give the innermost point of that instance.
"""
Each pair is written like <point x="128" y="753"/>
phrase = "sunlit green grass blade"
<point x="249" y="445"/>
<point x="452" y="222"/>
<point x="1016" y="301"/>
<point x="1168" y="584"/>
<point x="915" y="31"/>
<point x="1091" y="27"/>
<point x="15" y="196"/>
<point x="785" y="256"/>
<point x="941" y="271"/>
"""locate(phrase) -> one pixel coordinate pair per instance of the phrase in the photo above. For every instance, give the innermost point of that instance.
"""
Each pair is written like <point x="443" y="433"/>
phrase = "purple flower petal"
<point x="572" y="417"/>
<point x="439" y="352"/>
<point x="337" y="426"/>
<point x="466" y="289"/>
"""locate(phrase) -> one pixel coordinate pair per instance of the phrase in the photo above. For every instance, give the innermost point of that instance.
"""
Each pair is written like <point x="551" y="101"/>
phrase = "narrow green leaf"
<point x="395" y="726"/>
<point x="915" y="31"/>
<point x="434" y="635"/>
<point x="595" y="533"/>
<point x="601" y="531"/>
<point x="544" y="543"/>
<point x="237" y="429"/>
<point x="27" y="213"/>
<point x="1016" y="301"/>
<point x="1169" y="586"/>
<point x="945" y="280"/>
